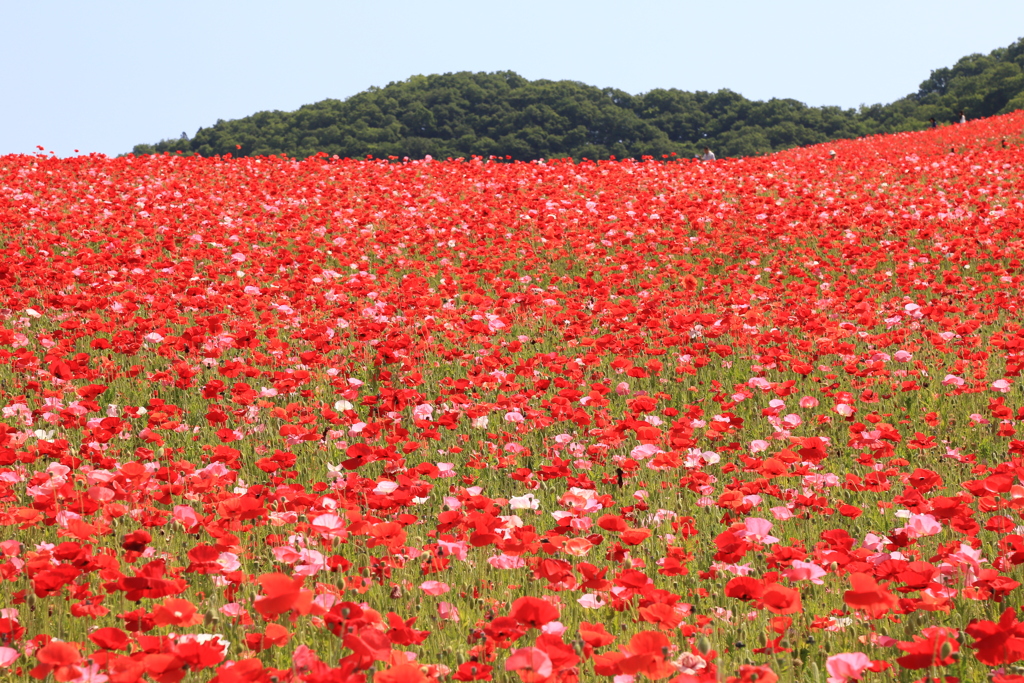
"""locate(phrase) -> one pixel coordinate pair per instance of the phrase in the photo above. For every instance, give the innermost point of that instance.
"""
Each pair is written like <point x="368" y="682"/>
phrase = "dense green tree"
<point x="505" y="115"/>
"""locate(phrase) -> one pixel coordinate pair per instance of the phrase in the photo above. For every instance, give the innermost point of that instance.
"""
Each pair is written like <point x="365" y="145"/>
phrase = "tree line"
<point x="505" y="115"/>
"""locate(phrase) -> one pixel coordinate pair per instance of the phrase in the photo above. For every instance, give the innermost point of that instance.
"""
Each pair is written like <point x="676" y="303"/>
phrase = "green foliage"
<point x="506" y="115"/>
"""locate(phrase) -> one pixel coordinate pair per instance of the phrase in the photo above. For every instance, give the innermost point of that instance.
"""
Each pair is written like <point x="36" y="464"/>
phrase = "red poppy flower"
<point x="744" y="588"/>
<point x="997" y="643"/>
<point x="750" y="673"/>
<point x="124" y="669"/>
<point x="203" y="653"/>
<point x="647" y="654"/>
<point x="275" y="635"/>
<point x="165" y="667"/>
<point x="612" y="523"/>
<point x="595" y="635"/>
<point x="281" y="594"/>
<point x="533" y="612"/>
<point x="635" y="536"/>
<point x="664" y="616"/>
<point x="779" y="599"/>
<point x="402" y="673"/>
<point x="936" y="646"/>
<point x="59" y="658"/>
<point x="90" y="391"/>
<point x="176" y="612"/>
<point x="110" y="638"/>
<point x="866" y="595"/>
<point x="472" y="671"/>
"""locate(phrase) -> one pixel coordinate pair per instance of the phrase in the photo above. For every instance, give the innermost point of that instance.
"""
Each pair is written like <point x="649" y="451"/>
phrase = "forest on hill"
<point x="505" y="115"/>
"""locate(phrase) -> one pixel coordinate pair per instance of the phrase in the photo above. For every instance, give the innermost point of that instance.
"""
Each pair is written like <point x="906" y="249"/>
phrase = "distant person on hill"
<point x="934" y="122"/>
<point x="963" y="117"/>
<point x="708" y="155"/>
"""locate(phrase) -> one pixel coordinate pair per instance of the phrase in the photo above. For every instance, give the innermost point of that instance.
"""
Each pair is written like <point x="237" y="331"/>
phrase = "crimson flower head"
<point x="533" y="612"/>
<point x="934" y="647"/>
<point x="750" y="673"/>
<point x="647" y="653"/>
<point x="998" y="643"/>
<point x="282" y="594"/>
<point x="779" y="599"/>
<point x="595" y="635"/>
<point x="744" y="588"/>
<point x="402" y="673"/>
<point x="867" y="596"/>
<point x="90" y="391"/>
<point x="60" y="659"/>
<point x="176" y="612"/>
<point x="472" y="671"/>
<point x="110" y="638"/>
<point x="137" y="541"/>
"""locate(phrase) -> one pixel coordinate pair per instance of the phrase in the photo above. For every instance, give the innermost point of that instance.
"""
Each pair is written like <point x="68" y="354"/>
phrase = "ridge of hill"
<point x="505" y="115"/>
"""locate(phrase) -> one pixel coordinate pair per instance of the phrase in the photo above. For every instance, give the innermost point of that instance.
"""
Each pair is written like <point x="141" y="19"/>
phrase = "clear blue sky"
<point x="104" y="75"/>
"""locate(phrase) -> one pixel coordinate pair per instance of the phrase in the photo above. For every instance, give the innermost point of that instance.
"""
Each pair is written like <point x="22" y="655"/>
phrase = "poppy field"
<point x="269" y="419"/>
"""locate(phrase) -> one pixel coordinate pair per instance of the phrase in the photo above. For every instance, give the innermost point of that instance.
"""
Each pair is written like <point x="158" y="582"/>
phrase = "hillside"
<point x="433" y="421"/>
<point x="504" y="114"/>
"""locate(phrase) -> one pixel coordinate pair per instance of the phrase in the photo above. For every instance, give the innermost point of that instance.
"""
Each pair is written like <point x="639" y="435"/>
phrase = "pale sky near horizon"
<point x="105" y="75"/>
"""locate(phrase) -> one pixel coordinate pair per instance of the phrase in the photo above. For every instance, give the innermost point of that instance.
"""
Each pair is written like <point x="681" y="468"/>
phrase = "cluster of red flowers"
<point x="349" y="420"/>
